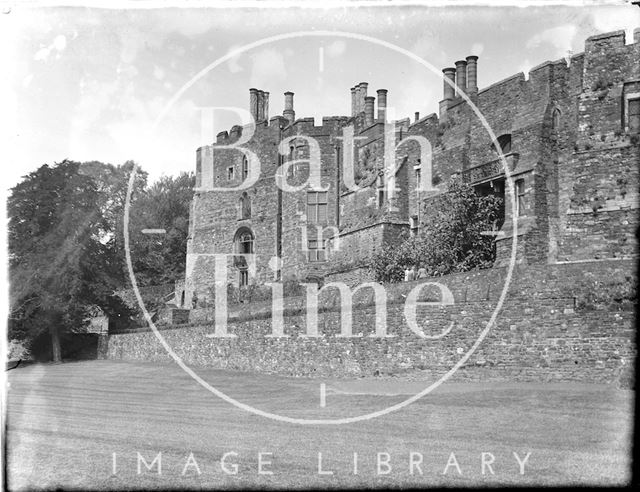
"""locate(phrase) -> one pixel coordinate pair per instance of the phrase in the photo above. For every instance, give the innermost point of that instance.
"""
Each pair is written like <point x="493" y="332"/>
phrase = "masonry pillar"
<point x="382" y="104"/>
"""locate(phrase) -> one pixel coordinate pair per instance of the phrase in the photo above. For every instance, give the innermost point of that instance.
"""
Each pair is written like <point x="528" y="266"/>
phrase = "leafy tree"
<point x="451" y="239"/>
<point x="160" y="259"/>
<point x="63" y="252"/>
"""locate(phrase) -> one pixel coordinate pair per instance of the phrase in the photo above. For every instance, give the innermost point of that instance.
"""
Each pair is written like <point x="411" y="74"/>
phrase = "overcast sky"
<point x="87" y="84"/>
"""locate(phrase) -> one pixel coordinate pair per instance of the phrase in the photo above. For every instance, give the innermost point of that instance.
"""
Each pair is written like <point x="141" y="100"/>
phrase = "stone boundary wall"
<point x="552" y="327"/>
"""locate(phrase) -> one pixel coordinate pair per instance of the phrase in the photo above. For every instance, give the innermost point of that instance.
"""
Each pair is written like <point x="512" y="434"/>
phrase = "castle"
<point x="570" y="134"/>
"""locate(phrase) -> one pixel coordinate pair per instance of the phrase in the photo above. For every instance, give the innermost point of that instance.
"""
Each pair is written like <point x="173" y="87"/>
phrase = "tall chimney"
<point x="369" y="102"/>
<point x="417" y="115"/>
<point x="449" y="91"/>
<point x="353" y="101"/>
<point x="472" y="74"/>
<point x="288" y="112"/>
<point x="461" y="77"/>
<point x="363" y="94"/>
<point x="265" y="105"/>
<point x="382" y="104"/>
<point x="253" y="104"/>
<point x="260" y="105"/>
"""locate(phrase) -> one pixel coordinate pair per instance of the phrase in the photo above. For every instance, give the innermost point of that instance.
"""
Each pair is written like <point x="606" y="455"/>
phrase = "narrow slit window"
<point x="521" y="197"/>
<point x="244" y="278"/>
<point x="555" y="119"/>
<point x="245" y="167"/>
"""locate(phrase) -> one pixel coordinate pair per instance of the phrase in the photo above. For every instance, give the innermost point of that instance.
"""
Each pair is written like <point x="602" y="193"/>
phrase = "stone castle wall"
<point x="577" y="229"/>
<point x="569" y="145"/>
<point x="560" y="322"/>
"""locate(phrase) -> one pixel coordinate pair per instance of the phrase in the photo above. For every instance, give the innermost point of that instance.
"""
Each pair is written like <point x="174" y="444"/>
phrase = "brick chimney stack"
<point x="253" y="104"/>
<point x="265" y="106"/>
<point x="369" y="103"/>
<point x="362" y="94"/>
<point x="448" y="90"/>
<point x="353" y="101"/>
<point x="472" y="75"/>
<point x="382" y="104"/>
<point x="260" y="106"/>
<point x="288" y="112"/>
<point x="461" y="77"/>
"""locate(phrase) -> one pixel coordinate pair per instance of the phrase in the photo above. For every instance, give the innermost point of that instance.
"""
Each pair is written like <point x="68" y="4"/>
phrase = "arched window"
<point x="243" y="245"/>
<point x="244" y="205"/>
<point x="555" y="119"/>
<point x="504" y="141"/>
<point x="243" y="241"/>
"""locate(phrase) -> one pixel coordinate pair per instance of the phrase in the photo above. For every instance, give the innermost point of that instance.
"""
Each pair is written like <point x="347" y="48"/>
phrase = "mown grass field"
<point x="66" y="421"/>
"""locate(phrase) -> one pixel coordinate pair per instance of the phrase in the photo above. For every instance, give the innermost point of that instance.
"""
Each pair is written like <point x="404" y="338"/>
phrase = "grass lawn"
<point x="66" y="421"/>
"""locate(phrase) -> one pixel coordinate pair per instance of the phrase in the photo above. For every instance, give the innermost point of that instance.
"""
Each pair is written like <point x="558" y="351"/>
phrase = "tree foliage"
<point x="451" y="238"/>
<point x="160" y="259"/>
<point x="66" y="246"/>
<point x="62" y="250"/>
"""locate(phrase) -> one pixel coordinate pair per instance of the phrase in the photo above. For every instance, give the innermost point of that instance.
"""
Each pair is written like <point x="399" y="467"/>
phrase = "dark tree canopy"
<point x="66" y="247"/>
<point x="160" y="259"/>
